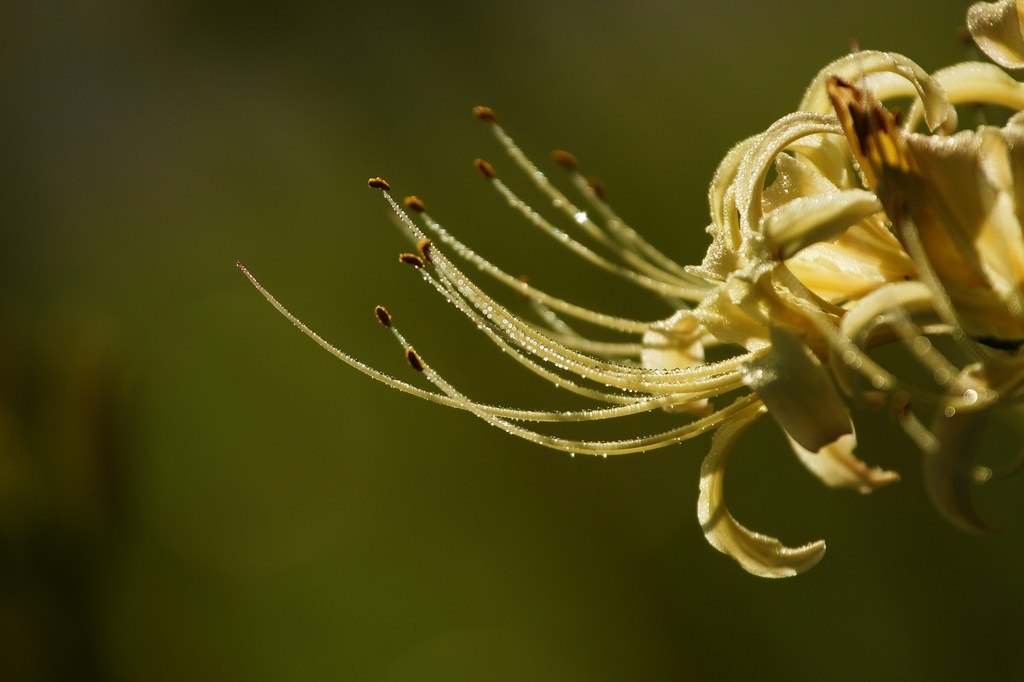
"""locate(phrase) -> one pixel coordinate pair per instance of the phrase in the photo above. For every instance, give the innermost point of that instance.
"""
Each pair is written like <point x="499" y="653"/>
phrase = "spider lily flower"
<point x="873" y="229"/>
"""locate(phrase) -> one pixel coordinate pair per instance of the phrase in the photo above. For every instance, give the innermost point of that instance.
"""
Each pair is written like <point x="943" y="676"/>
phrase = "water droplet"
<point x="950" y="411"/>
<point x="580" y="217"/>
<point x="970" y="396"/>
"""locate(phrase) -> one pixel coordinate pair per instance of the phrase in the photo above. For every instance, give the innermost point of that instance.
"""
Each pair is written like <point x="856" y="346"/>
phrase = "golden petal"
<point x="996" y="28"/>
<point x="810" y="219"/>
<point x="798" y="392"/>
<point x="860" y="67"/>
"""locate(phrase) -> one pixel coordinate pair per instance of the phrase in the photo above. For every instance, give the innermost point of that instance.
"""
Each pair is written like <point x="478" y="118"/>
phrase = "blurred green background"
<point x="190" y="489"/>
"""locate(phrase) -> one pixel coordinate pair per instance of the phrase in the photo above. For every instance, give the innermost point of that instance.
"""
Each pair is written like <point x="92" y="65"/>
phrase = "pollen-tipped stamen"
<point x="413" y="232"/>
<point x="673" y="274"/>
<point x="666" y="287"/>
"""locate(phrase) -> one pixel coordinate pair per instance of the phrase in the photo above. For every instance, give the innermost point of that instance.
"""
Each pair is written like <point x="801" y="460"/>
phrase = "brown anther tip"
<point x="596" y="186"/>
<point x="379" y="183"/>
<point x="383" y="316"/>
<point x="524" y="291"/>
<point x="424" y="246"/>
<point x="486" y="169"/>
<point x="485" y="114"/>
<point x="414" y="204"/>
<point x="963" y="35"/>
<point x="413" y="359"/>
<point x="565" y="159"/>
<point x="411" y="259"/>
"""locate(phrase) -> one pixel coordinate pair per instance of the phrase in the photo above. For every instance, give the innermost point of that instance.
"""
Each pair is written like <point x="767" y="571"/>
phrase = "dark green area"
<point x="191" y="490"/>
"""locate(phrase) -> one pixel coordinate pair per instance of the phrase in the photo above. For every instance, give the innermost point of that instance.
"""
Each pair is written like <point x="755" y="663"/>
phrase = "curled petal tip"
<point x="949" y="469"/>
<point x="758" y="554"/>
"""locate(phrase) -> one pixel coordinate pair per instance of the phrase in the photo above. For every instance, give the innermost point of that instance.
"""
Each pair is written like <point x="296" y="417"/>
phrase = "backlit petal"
<point x="996" y="28"/>
<point x="837" y="466"/>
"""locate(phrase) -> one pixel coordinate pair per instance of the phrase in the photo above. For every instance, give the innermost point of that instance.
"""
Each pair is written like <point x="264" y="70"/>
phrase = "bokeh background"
<point x="190" y="489"/>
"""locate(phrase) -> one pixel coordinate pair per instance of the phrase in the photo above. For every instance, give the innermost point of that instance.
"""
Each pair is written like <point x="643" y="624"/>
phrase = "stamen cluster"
<point x="874" y="228"/>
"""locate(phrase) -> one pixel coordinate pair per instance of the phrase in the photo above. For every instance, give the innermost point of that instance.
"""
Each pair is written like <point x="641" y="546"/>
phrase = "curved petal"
<point x="948" y="468"/>
<point x="758" y="554"/>
<point x="898" y="299"/>
<point x="854" y="67"/>
<point x="810" y="219"/>
<point x="996" y="28"/>
<point x="722" y="256"/>
<point x="837" y="466"/>
<point x="981" y="82"/>
<point x="972" y="82"/>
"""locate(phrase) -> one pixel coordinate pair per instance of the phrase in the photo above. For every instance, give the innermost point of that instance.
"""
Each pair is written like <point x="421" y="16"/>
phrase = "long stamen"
<point x="744" y="405"/>
<point x="943" y="304"/>
<point x="678" y="291"/>
<point x="719" y="377"/>
<point x="619" y="375"/>
<point x="611" y="322"/>
<point x="673" y="273"/>
<point x="626" y="236"/>
<point x="530" y="339"/>
<point x="517" y="352"/>
<point x="635" y="406"/>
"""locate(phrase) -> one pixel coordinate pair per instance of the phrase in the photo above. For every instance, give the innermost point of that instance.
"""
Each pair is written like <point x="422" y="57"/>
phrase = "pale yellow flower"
<point x="873" y="229"/>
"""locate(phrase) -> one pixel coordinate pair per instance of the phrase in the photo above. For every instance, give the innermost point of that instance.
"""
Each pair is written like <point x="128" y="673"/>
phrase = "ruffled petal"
<point x="837" y="466"/>
<point x="758" y="554"/>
